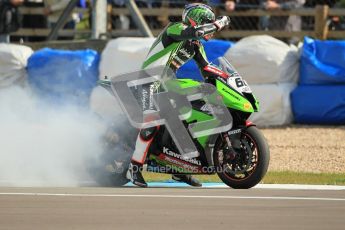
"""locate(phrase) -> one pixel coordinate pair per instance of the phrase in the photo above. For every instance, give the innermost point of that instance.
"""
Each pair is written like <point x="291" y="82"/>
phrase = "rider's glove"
<point x="222" y="22"/>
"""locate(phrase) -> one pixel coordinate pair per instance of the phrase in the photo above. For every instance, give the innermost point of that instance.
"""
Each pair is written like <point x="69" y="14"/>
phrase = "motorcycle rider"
<point x="178" y="43"/>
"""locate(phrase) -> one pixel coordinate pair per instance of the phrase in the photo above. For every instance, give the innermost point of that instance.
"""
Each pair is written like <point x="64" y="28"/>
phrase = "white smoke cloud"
<point x="45" y="145"/>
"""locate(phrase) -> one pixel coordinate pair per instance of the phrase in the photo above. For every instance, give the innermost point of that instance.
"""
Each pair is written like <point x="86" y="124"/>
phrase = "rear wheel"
<point x="107" y="178"/>
<point x="245" y="167"/>
<point x="118" y="146"/>
<point x="110" y="170"/>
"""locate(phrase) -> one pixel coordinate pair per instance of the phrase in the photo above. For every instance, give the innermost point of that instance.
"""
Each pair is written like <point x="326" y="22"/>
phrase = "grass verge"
<point x="284" y="177"/>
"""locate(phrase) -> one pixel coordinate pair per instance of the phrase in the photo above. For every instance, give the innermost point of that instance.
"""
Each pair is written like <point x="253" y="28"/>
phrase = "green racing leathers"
<point x="176" y="44"/>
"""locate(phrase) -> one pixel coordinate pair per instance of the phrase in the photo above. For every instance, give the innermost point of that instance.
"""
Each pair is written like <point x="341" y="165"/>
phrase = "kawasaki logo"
<point x="178" y="156"/>
<point x="223" y="89"/>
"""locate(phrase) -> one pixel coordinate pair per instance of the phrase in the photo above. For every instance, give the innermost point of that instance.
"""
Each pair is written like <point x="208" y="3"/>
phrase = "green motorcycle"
<point x="240" y="156"/>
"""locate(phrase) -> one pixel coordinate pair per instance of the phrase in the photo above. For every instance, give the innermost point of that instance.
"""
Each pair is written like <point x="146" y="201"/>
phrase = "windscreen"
<point x="235" y="80"/>
<point x="225" y="65"/>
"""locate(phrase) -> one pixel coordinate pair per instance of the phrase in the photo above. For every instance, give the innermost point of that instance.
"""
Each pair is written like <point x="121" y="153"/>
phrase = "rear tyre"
<point x="118" y="146"/>
<point x="110" y="179"/>
<point x="249" y="165"/>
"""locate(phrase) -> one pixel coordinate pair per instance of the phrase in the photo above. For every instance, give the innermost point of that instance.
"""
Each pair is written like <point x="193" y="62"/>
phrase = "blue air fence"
<point x="318" y="99"/>
<point x="61" y="76"/>
<point x="320" y="96"/>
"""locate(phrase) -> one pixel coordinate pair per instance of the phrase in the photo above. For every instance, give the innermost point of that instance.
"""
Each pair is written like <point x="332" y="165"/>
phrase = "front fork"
<point x="231" y="143"/>
<point x="233" y="139"/>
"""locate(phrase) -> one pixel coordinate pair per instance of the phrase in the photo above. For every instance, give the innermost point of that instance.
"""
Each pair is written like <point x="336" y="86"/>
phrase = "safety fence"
<point x="317" y="18"/>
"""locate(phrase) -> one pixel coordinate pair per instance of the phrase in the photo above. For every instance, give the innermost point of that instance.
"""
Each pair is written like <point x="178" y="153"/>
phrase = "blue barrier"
<point x="316" y="104"/>
<point x="214" y="49"/>
<point x="322" y="62"/>
<point x="63" y="76"/>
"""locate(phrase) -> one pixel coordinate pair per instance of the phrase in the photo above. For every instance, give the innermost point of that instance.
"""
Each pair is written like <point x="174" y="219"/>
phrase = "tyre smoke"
<point x="45" y="145"/>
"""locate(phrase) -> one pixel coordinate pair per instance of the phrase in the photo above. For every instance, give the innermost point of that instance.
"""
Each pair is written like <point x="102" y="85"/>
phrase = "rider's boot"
<point x="142" y="145"/>
<point x="189" y="179"/>
<point x="134" y="174"/>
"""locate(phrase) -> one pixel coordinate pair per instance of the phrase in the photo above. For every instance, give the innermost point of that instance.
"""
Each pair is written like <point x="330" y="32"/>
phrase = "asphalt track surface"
<point x="171" y="208"/>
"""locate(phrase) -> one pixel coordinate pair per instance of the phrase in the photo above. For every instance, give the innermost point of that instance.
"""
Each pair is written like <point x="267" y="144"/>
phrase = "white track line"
<point x="4" y="183"/>
<point x="174" y="196"/>
<point x="300" y="187"/>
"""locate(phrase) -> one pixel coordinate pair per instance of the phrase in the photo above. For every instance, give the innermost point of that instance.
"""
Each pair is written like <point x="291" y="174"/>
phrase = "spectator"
<point x="313" y="3"/>
<point x="34" y="21"/>
<point x="196" y="1"/>
<point x="338" y="22"/>
<point x="181" y="4"/>
<point x="53" y="10"/>
<point x="176" y="4"/>
<point x="242" y="23"/>
<point x="288" y="23"/>
<point x="309" y="22"/>
<point x="9" y="18"/>
<point x="152" y="21"/>
<point x="122" y="21"/>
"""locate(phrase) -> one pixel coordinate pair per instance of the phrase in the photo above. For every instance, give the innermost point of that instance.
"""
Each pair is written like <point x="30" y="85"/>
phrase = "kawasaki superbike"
<point x="239" y="156"/>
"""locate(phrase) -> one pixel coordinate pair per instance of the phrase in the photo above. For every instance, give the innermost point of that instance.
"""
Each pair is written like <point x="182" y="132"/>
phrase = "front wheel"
<point x="244" y="167"/>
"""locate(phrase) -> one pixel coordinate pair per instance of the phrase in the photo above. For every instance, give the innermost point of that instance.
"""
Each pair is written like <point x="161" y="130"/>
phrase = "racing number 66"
<point x="239" y="82"/>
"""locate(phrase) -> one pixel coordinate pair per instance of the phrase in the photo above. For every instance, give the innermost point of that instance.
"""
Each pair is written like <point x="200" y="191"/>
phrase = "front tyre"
<point x="248" y="166"/>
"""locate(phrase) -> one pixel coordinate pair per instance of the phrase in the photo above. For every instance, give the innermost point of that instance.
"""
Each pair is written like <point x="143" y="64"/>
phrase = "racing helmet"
<point x="198" y="14"/>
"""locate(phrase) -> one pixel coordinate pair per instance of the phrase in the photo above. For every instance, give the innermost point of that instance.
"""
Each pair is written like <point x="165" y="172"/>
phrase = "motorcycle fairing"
<point x="232" y="99"/>
<point x="163" y="161"/>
